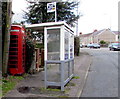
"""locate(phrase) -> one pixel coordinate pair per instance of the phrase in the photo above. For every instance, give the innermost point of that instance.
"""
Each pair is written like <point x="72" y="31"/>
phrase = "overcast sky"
<point x="97" y="14"/>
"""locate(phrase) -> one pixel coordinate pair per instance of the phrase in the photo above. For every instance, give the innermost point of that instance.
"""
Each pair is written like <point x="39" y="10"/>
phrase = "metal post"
<point x="55" y="13"/>
<point x="62" y="76"/>
<point x="69" y="68"/>
<point x="73" y="67"/>
<point x="45" y="67"/>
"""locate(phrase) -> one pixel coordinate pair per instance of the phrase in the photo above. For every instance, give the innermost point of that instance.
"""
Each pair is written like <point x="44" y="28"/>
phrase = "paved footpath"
<point x="36" y="82"/>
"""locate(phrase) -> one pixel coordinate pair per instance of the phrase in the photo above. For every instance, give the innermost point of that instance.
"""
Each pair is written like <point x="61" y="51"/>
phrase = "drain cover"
<point x="24" y="89"/>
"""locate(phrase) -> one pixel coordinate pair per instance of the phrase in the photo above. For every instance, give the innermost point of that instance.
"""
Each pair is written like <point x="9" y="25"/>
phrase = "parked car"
<point x="114" y="46"/>
<point x="89" y="45"/>
<point x="94" y="45"/>
<point x="81" y="46"/>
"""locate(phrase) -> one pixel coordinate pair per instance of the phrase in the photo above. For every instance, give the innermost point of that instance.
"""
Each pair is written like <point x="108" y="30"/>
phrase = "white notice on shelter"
<point x="51" y="7"/>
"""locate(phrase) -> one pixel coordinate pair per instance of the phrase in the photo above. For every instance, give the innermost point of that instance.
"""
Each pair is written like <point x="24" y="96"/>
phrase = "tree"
<point x="1" y="38"/>
<point x="102" y="42"/>
<point x="37" y="13"/>
<point x="6" y="22"/>
<point x="4" y="12"/>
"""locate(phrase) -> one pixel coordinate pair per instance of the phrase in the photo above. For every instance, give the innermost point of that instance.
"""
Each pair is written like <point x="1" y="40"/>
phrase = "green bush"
<point x="102" y="42"/>
<point x="30" y="50"/>
<point x="39" y="45"/>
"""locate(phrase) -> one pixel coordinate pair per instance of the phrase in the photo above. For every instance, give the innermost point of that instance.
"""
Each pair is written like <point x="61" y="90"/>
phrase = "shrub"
<point x="39" y="45"/>
<point x="102" y="42"/>
<point x="30" y="50"/>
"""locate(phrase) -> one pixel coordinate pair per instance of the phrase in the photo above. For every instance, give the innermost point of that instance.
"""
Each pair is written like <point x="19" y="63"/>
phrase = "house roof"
<point x="98" y="32"/>
<point x="86" y="35"/>
<point x="116" y="32"/>
<point x="93" y="33"/>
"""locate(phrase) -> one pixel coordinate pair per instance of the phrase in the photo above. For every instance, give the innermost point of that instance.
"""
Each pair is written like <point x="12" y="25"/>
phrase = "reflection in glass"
<point x="66" y="44"/>
<point x="53" y="44"/>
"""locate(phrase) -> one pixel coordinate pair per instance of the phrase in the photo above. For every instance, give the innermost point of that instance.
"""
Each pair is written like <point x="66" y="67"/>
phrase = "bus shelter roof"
<point x="40" y="26"/>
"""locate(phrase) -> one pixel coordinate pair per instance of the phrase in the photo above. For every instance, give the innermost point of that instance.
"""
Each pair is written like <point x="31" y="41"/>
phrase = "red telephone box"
<point x="17" y="56"/>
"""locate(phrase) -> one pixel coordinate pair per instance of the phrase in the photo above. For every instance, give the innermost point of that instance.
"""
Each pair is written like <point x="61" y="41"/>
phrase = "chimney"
<point x="95" y="30"/>
<point x="80" y="33"/>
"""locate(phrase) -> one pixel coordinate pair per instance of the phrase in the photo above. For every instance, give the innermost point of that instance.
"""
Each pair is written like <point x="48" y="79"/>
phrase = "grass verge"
<point x="49" y="89"/>
<point x="0" y="90"/>
<point x="76" y="77"/>
<point x="9" y="83"/>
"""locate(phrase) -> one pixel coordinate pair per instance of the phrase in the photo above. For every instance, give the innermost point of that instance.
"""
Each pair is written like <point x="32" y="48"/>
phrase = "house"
<point x="86" y="38"/>
<point x="95" y="37"/>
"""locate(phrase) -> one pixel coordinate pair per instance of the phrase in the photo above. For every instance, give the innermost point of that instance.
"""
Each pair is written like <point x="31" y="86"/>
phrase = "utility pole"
<point x="0" y="38"/>
<point x="55" y="12"/>
<point x="6" y="38"/>
<point x="77" y="22"/>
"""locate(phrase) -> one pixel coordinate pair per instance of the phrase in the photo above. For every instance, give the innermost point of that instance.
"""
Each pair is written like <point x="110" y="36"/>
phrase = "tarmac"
<point x="33" y="85"/>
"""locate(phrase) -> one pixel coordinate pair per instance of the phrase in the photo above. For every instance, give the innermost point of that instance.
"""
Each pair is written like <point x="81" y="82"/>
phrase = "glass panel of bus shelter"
<point x="71" y="53"/>
<point x="71" y="45"/>
<point x="53" y="76"/>
<point x="66" y="45"/>
<point x="53" y="44"/>
<point x="53" y="53"/>
<point x="66" y="71"/>
<point x="66" y="53"/>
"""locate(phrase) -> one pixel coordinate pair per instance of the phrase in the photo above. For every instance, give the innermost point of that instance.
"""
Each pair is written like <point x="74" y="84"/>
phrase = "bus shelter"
<point x="59" y="52"/>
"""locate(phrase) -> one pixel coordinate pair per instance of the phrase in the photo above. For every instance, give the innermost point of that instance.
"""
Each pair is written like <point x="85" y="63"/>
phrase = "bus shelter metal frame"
<point x="62" y="26"/>
<point x="62" y="60"/>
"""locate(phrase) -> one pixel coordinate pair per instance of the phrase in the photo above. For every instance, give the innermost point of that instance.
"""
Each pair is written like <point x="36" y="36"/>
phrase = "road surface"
<point x="102" y="80"/>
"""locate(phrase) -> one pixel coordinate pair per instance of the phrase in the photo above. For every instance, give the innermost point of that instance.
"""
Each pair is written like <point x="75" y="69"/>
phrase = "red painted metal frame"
<point x="17" y="56"/>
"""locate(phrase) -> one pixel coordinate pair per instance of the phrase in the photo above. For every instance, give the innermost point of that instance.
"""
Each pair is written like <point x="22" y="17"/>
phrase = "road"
<point x="102" y="80"/>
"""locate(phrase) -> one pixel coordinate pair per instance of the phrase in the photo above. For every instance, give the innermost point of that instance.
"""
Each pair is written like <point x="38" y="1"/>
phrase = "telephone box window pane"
<point x="13" y="49"/>
<point x="13" y="41"/>
<point x="13" y="36"/>
<point x="13" y="53"/>
<point x="53" y="44"/>
<point x="13" y="62"/>
<point x="13" y="57"/>
<point x="12" y="66"/>
<point x="13" y="45"/>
